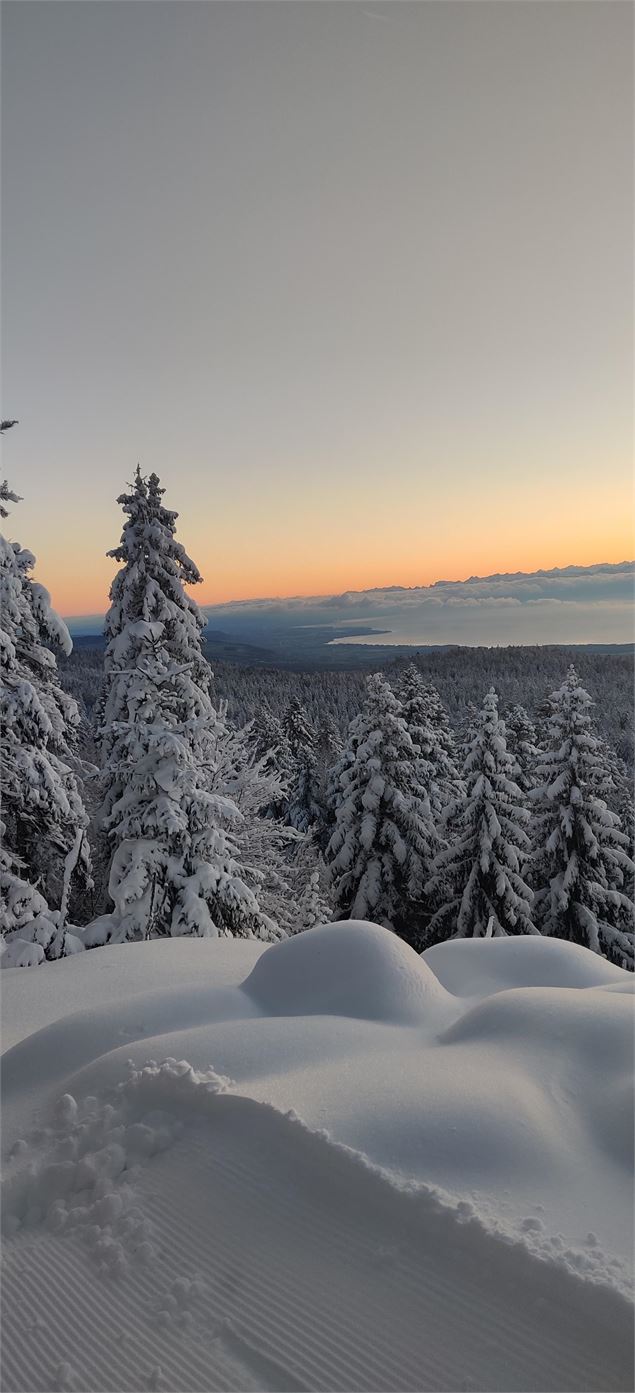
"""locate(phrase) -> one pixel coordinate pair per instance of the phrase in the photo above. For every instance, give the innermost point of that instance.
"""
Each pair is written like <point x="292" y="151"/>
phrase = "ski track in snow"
<point x="222" y="1245"/>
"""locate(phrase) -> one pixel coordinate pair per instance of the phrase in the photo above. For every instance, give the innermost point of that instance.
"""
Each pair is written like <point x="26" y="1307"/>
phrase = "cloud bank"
<point x="576" y="604"/>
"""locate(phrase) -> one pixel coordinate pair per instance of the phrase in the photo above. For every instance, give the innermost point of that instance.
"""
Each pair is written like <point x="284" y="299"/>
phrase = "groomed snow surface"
<point x="323" y="1165"/>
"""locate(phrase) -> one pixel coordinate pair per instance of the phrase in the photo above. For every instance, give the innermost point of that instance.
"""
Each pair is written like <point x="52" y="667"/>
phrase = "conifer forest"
<point x="464" y="793"/>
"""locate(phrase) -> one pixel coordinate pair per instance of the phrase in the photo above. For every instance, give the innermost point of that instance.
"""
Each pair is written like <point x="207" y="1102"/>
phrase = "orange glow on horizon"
<point x="270" y="581"/>
<point x="339" y="539"/>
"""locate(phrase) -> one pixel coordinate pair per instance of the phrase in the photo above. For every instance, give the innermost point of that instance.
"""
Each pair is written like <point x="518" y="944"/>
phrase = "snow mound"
<point x="595" y="1025"/>
<point x="590" y="1033"/>
<point x="351" y="968"/>
<point x="480" y="966"/>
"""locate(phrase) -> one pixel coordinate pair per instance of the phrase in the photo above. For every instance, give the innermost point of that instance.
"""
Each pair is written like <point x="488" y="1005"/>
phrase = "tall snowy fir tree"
<point x="45" y="858"/>
<point x="269" y="741"/>
<point x="435" y="772"/>
<point x="174" y="869"/>
<point x="448" y="777"/>
<point x="383" y="840"/>
<point x="328" y="749"/>
<point x="271" y="750"/>
<point x="582" y="870"/>
<point x="303" y="806"/>
<point x="298" y="730"/>
<point x="476" y="883"/>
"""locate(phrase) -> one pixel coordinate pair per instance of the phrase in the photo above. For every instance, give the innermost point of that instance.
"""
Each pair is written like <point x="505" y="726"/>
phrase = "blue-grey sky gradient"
<point x="355" y="279"/>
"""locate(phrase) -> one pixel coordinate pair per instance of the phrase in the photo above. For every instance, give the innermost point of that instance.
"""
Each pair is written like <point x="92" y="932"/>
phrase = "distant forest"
<point x="521" y="676"/>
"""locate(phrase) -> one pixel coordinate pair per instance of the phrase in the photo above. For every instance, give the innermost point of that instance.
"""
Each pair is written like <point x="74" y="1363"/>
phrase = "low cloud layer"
<point x="578" y="604"/>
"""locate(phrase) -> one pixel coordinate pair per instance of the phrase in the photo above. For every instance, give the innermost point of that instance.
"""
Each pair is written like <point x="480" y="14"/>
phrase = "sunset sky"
<point x="354" y="279"/>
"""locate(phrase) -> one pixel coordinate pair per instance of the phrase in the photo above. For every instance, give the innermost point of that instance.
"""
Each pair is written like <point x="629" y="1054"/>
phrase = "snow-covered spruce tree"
<point x="265" y="846"/>
<point x="328" y="748"/>
<point x="333" y="787"/>
<point x="381" y="848"/>
<point x="449" y="776"/>
<point x="272" y="753"/>
<point x="582" y="865"/>
<point x="268" y="739"/>
<point x="522" y="743"/>
<point x="465" y="731"/>
<point x="149" y="590"/>
<point x="619" y="787"/>
<point x="477" y="877"/>
<point x="328" y="744"/>
<point x="436" y="774"/>
<point x="303" y="808"/>
<point x="313" y="906"/>
<point x="174" y="869"/>
<point x="45" y="858"/>
<point x="298" y="730"/>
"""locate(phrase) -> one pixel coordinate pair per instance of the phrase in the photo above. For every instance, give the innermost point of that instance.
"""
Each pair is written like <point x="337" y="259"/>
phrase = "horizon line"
<point x="383" y="589"/>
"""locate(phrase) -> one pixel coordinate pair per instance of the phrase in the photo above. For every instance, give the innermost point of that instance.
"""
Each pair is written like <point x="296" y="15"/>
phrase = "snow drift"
<point x="328" y="1164"/>
<point x="347" y="969"/>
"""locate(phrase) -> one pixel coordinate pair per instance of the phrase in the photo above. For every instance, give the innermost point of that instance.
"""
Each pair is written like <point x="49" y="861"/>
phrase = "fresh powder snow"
<point x="325" y="1164"/>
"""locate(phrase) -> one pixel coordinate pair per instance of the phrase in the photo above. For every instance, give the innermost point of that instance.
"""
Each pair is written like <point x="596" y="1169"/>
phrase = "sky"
<point x="355" y="279"/>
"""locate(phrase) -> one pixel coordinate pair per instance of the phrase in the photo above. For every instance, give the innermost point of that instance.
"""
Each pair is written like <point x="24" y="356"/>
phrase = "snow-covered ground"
<point x="326" y="1164"/>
